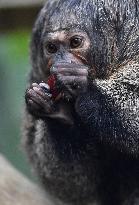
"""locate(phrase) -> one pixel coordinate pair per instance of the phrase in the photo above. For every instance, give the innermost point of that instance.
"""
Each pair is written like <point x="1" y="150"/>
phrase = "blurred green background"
<point x="14" y="63"/>
<point x="15" y="30"/>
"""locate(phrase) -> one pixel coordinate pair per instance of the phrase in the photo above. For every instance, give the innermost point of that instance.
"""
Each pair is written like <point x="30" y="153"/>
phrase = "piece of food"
<point x="52" y="84"/>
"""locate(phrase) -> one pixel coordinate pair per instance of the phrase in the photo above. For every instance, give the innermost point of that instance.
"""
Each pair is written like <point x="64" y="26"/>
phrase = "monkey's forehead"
<point x="65" y="14"/>
<point x="64" y="20"/>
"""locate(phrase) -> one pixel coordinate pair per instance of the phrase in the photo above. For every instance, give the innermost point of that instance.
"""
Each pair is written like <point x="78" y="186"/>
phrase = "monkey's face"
<point x="66" y="55"/>
<point x="66" y="47"/>
<point x="64" y="34"/>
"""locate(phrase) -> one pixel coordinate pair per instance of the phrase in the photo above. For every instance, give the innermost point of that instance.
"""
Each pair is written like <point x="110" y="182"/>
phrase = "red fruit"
<point x="52" y="83"/>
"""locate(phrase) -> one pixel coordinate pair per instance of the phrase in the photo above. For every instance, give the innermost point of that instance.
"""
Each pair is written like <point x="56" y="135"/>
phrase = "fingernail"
<point x="44" y="85"/>
<point x="36" y="89"/>
<point x="35" y="85"/>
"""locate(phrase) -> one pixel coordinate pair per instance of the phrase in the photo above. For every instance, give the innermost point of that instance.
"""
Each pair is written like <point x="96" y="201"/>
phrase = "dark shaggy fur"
<point x="96" y="160"/>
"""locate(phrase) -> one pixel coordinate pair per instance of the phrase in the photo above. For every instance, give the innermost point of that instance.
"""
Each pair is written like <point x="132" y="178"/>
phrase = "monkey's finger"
<point x="45" y="87"/>
<point x="42" y="87"/>
<point x="36" y="109"/>
<point x="33" y="95"/>
<point x="40" y="91"/>
<point x="69" y="65"/>
<point x="74" y="71"/>
<point x="72" y="80"/>
<point x="36" y="100"/>
<point x="35" y="85"/>
<point x="33" y="105"/>
<point x="37" y="97"/>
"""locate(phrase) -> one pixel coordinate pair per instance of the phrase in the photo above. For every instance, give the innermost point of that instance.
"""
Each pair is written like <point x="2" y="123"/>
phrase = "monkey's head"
<point x="58" y="39"/>
<point x="74" y="32"/>
<point x="101" y="36"/>
<point x="83" y="32"/>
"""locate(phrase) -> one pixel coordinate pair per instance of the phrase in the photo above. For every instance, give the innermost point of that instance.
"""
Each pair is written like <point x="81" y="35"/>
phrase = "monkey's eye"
<point x="51" y="48"/>
<point x="75" y="42"/>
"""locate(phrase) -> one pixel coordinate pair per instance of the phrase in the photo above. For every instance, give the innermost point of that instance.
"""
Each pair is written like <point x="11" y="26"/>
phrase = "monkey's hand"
<point x="71" y="78"/>
<point x="38" y="100"/>
<point x="41" y="105"/>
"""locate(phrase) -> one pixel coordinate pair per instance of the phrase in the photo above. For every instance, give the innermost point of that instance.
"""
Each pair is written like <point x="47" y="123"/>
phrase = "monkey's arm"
<point x="110" y="109"/>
